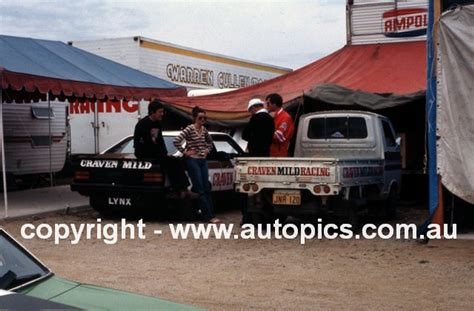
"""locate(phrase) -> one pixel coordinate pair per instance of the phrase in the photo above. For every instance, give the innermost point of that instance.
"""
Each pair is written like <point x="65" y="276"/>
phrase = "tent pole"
<point x="4" y="170"/>
<point x="438" y="217"/>
<point x="50" y="141"/>
<point x="431" y="111"/>
<point x="96" y="127"/>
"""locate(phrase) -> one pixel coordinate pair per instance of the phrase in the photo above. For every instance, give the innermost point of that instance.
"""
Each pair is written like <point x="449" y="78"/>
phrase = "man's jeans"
<point x="199" y="174"/>
<point x="175" y="172"/>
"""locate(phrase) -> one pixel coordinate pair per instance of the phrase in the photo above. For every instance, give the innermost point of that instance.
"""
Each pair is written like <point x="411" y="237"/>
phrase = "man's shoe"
<point x="186" y="194"/>
<point x="215" y="220"/>
<point x="173" y="195"/>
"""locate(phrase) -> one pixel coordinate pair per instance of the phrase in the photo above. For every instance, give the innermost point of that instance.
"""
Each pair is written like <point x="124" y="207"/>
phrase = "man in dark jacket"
<point x="149" y="144"/>
<point x="148" y="135"/>
<point x="259" y="131"/>
<point x="259" y="135"/>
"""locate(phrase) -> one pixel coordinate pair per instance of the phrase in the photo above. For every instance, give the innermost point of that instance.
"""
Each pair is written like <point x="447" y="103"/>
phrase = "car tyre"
<point x="103" y="210"/>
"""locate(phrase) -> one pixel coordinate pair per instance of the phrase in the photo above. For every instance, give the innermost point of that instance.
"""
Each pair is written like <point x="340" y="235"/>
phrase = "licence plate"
<point x="119" y="201"/>
<point x="286" y="197"/>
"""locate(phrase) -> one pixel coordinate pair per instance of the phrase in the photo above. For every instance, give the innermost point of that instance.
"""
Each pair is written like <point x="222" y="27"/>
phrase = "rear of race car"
<point x="120" y="183"/>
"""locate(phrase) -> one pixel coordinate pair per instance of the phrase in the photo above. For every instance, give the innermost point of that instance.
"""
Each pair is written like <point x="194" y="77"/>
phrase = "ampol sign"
<point x="405" y="22"/>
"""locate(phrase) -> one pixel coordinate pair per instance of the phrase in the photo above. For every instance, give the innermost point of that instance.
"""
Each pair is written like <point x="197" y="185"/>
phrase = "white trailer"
<point x="35" y="137"/>
<point x="92" y="133"/>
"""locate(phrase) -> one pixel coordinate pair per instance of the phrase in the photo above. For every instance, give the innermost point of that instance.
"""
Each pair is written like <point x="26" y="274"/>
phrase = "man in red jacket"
<point x="284" y="126"/>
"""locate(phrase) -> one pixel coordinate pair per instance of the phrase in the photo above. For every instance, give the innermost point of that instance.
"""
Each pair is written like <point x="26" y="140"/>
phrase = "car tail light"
<point x="81" y="175"/>
<point x="246" y="187"/>
<point x="152" y="177"/>
<point x="327" y="189"/>
<point x="317" y="189"/>
<point x="254" y="187"/>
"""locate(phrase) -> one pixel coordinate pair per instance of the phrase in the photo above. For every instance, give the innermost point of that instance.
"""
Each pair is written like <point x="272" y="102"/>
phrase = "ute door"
<point x="226" y="149"/>
<point x="215" y="172"/>
<point x="215" y="169"/>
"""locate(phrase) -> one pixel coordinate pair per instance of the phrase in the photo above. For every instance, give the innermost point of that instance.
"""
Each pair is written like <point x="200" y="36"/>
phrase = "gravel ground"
<point x="268" y="274"/>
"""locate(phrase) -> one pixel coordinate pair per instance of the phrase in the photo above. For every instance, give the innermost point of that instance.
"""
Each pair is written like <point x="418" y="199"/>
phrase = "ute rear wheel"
<point x="391" y="204"/>
<point x="281" y="218"/>
<point x="258" y="218"/>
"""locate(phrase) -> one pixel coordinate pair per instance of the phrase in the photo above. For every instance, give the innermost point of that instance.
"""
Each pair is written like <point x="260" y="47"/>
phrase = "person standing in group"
<point x="284" y="126"/>
<point x="198" y="145"/>
<point x="148" y="143"/>
<point x="259" y="131"/>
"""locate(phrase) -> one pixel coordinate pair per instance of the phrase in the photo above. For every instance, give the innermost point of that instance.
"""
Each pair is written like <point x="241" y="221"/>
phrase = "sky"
<point x="289" y="33"/>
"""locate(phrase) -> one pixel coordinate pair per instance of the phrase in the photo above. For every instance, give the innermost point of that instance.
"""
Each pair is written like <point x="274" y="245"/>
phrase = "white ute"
<point x="342" y="161"/>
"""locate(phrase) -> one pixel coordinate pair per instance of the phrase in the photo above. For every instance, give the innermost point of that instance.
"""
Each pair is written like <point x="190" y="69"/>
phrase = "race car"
<point x="117" y="183"/>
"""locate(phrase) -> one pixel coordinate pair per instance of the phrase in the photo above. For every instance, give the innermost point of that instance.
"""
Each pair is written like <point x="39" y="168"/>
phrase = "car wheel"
<point x="99" y="207"/>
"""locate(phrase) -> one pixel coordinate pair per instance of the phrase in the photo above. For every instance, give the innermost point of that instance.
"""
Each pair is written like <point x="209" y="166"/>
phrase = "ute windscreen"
<point x="337" y="128"/>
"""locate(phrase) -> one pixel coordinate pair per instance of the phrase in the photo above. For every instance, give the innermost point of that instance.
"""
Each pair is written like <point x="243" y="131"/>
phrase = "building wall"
<point x="181" y="65"/>
<point x="199" y="70"/>
<point x="121" y="50"/>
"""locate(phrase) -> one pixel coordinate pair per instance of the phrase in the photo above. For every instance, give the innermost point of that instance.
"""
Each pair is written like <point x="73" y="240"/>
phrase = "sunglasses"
<point x="202" y="118"/>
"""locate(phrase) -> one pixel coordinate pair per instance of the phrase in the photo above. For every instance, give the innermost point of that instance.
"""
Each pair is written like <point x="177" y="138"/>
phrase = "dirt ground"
<point x="268" y="274"/>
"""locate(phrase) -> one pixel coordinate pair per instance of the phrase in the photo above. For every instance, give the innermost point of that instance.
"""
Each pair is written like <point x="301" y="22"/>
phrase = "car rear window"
<point x="222" y="143"/>
<point x="337" y="128"/>
<point x="126" y="146"/>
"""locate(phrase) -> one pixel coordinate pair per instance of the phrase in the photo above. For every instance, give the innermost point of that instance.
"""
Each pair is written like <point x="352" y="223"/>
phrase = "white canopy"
<point x="455" y="95"/>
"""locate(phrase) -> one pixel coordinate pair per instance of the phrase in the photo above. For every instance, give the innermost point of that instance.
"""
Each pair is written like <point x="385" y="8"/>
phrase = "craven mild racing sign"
<point x="289" y="171"/>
